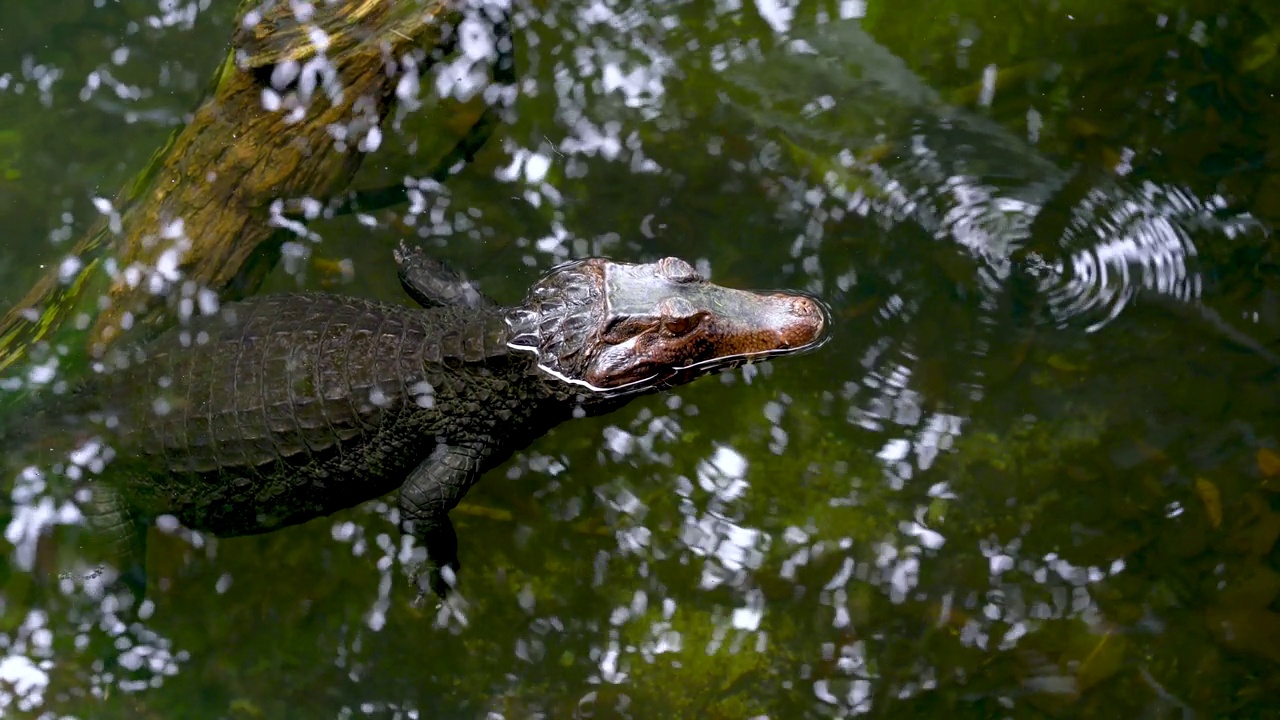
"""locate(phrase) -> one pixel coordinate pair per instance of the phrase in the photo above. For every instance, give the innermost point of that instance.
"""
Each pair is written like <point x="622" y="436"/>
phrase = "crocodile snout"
<point x="805" y="322"/>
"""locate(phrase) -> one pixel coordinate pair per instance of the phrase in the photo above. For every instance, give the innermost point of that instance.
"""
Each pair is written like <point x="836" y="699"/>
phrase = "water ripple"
<point x="1138" y="241"/>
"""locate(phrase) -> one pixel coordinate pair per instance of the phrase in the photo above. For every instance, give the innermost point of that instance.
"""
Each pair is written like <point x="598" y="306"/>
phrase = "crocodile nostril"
<point x="803" y="307"/>
<point x="808" y="321"/>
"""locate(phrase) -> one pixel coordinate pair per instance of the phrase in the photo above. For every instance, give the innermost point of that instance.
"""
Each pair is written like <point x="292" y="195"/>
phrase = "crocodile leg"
<point x="431" y="283"/>
<point x="433" y="489"/>
<point x="123" y="532"/>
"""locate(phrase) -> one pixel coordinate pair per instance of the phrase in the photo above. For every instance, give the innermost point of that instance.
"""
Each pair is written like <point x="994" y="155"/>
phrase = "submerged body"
<point x="284" y="408"/>
<point x="299" y="405"/>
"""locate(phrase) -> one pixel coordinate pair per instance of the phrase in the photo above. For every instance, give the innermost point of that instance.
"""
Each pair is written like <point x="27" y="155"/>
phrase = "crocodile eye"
<point x="677" y="270"/>
<point x="681" y="325"/>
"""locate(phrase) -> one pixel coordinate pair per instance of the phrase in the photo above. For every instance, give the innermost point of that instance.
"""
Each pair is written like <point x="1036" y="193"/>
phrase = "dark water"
<point x="1035" y="473"/>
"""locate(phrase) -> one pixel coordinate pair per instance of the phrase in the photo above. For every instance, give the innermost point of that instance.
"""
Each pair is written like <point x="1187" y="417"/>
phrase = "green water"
<point x="1034" y="474"/>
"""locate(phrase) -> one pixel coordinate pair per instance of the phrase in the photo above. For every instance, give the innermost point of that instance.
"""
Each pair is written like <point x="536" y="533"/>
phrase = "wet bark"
<point x="281" y="122"/>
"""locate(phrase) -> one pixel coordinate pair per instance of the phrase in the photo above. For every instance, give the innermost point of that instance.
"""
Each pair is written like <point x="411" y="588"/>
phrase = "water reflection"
<point x="890" y="149"/>
<point x="731" y="550"/>
<point x="993" y="494"/>
<point x="1040" y="246"/>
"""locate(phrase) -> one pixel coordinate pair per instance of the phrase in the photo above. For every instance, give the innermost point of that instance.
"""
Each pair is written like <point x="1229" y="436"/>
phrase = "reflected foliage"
<point x="1033" y="474"/>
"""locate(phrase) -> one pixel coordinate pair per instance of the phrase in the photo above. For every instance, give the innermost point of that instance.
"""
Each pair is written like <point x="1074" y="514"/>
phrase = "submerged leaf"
<point x="1250" y="631"/>
<point x="1260" y="52"/>
<point x="1257" y="587"/>
<point x="1268" y="462"/>
<point x="1211" y="498"/>
<point x="1062" y="364"/>
<point x="1104" y="661"/>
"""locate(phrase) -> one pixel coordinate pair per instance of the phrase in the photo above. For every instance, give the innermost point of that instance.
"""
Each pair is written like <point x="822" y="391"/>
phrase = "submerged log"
<point x="290" y="114"/>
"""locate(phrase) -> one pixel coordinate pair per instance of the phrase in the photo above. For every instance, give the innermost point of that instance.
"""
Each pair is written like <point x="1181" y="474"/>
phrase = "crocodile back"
<point x="286" y="407"/>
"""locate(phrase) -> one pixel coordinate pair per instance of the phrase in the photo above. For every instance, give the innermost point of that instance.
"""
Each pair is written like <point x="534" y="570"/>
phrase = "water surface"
<point x="1035" y="473"/>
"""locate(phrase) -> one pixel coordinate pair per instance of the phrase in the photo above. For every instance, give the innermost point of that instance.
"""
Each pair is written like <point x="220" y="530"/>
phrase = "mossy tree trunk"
<point x="289" y="116"/>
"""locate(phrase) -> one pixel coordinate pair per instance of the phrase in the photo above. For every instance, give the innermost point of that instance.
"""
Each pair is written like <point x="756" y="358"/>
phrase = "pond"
<point x="1035" y="471"/>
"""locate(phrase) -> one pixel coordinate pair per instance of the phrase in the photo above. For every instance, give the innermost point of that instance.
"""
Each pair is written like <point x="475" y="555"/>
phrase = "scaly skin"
<point x="308" y="404"/>
<point x="284" y="408"/>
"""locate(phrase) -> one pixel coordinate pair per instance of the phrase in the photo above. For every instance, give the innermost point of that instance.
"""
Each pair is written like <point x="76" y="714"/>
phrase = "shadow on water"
<point x="1035" y="472"/>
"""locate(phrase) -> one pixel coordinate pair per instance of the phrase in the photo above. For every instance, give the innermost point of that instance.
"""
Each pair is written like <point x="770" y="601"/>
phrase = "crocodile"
<point x="282" y="408"/>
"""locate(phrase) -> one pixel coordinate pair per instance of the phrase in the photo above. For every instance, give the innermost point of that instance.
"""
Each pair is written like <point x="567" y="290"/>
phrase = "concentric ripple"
<point x="1118" y="244"/>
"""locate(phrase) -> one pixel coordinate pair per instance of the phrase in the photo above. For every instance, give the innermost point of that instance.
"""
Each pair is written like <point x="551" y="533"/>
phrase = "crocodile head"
<point x="617" y="328"/>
